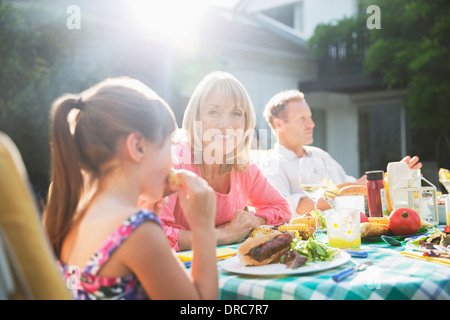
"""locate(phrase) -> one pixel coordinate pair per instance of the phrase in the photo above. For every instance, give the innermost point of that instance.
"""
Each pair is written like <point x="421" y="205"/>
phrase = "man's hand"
<point x="413" y="163"/>
<point x="306" y="204"/>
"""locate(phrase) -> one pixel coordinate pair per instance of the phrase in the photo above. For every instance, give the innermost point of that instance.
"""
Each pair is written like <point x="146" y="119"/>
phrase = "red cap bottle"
<point x="376" y="194"/>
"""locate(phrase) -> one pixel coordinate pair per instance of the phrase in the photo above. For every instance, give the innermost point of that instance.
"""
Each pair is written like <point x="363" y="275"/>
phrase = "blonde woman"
<point x="219" y="122"/>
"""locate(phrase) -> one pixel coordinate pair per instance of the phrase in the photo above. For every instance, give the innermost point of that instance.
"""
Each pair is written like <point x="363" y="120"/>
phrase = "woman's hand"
<point x="242" y="223"/>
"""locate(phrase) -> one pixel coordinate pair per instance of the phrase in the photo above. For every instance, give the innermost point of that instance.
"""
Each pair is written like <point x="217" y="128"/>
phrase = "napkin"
<point x="221" y="253"/>
<point x="442" y="261"/>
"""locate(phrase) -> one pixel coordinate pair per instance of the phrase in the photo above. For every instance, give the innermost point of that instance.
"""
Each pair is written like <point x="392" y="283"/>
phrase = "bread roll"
<point x="380" y="220"/>
<point x="345" y="184"/>
<point x="369" y="229"/>
<point x="354" y="189"/>
<point x="251" y="243"/>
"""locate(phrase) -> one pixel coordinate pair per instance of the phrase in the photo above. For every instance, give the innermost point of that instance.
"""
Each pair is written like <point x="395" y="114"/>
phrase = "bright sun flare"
<point x="176" y="21"/>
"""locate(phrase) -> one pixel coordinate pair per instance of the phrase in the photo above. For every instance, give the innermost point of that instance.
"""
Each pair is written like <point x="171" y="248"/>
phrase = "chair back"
<point x="27" y="264"/>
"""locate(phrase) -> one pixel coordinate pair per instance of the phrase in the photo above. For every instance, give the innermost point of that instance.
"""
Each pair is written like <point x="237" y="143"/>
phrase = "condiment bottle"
<point x="386" y="187"/>
<point x="376" y="194"/>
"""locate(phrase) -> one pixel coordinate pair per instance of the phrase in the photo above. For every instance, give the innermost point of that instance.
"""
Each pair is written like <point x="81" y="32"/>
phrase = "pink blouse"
<point x="248" y="188"/>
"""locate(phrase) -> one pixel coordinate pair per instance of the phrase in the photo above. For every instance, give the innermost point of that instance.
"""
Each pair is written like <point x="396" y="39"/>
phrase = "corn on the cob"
<point x="444" y="178"/>
<point x="295" y="233"/>
<point x="304" y="231"/>
<point x="444" y="174"/>
<point x="299" y="226"/>
<point x="309" y="221"/>
<point x="425" y="224"/>
<point x="261" y="231"/>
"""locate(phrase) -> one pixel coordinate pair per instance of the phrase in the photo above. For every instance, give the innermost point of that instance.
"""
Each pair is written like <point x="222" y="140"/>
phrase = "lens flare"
<point x="174" y="21"/>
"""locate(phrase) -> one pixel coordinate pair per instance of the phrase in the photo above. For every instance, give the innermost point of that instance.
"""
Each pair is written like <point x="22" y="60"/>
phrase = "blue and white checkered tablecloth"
<point x="391" y="277"/>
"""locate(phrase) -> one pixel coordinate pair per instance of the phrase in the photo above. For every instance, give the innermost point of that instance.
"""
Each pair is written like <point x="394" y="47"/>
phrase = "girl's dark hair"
<point x="85" y="130"/>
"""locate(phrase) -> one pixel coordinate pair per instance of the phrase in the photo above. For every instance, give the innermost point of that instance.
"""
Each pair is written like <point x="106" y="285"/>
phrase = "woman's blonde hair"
<point x="233" y="92"/>
<point x="85" y="132"/>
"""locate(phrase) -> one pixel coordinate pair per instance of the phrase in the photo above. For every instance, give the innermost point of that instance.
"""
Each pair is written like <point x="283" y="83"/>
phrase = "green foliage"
<point x="411" y="50"/>
<point x="40" y="59"/>
<point x="349" y="34"/>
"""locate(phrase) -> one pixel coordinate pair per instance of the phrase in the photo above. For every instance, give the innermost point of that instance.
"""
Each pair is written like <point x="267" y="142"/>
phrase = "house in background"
<point x="265" y="48"/>
<point x="263" y="43"/>
<point x="360" y="123"/>
<point x="335" y="114"/>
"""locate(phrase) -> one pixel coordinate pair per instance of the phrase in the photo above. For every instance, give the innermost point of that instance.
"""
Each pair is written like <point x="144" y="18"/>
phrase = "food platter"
<point x="234" y="265"/>
<point x="378" y="239"/>
<point x="411" y="246"/>
<point x="414" y="245"/>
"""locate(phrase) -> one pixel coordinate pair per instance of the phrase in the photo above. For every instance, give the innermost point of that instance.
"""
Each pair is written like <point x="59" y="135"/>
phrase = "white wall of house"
<point x="264" y="74"/>
<point x="342" y="128"/>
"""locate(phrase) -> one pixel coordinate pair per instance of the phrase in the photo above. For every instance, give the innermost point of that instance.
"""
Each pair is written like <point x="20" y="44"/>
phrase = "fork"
<point x="348" y="272"/>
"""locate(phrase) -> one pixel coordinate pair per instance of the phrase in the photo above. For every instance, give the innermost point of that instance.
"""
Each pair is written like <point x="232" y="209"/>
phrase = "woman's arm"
<point x="242" y="223"/>
<point x="269" y="203"/>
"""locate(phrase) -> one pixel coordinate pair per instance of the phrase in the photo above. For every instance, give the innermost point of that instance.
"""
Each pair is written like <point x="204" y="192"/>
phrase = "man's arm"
<point x="306" y="204"/>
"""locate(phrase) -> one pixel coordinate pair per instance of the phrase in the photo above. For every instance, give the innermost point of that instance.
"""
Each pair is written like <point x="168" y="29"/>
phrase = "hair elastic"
<point x="80" y="104"/>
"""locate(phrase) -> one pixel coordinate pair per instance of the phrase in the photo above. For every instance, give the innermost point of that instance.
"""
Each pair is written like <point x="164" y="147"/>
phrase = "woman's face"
<point x="222" y="123"/>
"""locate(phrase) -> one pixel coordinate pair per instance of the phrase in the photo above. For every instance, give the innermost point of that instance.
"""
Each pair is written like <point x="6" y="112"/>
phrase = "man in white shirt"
<point x="289" y="117"/>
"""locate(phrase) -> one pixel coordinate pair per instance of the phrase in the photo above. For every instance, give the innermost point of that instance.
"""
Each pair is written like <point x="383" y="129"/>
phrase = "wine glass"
<point x="313" y="179"/>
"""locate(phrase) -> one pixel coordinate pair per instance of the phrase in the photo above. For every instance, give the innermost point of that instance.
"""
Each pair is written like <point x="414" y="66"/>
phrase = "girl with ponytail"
<point x="106" y="142"/>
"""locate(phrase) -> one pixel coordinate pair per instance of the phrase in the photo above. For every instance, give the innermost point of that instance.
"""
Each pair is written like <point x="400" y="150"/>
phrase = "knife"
<point x="348" y="272"/>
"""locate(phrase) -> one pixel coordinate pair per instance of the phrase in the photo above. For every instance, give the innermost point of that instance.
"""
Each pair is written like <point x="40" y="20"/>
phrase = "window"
<point x="284" y="14"/>
<point x="380" y="136"/>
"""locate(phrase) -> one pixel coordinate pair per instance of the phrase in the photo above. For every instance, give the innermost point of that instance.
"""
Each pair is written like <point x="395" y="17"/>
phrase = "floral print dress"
<point x="86" y="284"/>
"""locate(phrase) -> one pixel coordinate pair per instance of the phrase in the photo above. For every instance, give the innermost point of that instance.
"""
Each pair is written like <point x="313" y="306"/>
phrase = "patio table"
<point x="391" y="277"/>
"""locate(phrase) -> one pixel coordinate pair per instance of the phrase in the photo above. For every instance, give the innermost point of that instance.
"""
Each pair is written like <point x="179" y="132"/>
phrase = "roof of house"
<point x="250" y="31"/>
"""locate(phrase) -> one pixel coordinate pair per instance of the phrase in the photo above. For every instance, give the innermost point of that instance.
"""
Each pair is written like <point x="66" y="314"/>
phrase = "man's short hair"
<point x="276" y="107"/>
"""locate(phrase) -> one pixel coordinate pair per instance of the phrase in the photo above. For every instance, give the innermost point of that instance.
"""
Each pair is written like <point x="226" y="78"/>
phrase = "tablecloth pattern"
<point x="391" y="277"/>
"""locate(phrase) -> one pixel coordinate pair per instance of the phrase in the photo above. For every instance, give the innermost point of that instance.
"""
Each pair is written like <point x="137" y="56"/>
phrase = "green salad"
<point x="313" y="250"/>
<point x="320" y="216"/>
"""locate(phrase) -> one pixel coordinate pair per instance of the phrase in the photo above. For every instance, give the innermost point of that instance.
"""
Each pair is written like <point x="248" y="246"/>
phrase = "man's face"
<point x="297" y="130"/>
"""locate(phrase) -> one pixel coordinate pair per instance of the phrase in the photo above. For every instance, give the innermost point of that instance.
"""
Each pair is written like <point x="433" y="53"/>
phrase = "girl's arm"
<point x="151" y="258"/>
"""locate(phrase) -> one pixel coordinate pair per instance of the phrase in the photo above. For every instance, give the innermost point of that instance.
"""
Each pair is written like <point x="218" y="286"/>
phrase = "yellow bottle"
<point x="386" y="187"/>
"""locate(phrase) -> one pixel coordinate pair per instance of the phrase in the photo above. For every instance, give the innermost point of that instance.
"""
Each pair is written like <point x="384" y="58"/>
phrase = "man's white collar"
<point x="288" y="153"/>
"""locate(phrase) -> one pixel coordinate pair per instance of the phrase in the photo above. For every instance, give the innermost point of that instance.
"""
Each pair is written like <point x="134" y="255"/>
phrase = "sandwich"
<point x="265" y="249"/>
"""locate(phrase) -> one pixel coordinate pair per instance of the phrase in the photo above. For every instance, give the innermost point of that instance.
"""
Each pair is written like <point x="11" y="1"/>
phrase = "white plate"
<point x="411" y="246"/>
<point x="234" y="265"/>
